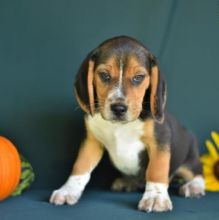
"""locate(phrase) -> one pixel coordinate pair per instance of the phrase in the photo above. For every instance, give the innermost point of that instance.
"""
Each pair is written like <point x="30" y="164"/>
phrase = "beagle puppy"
<point x="123" y="94"/>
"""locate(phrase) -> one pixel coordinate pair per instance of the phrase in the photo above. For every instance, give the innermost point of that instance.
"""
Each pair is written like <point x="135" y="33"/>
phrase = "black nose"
<point x="119" y="109"/>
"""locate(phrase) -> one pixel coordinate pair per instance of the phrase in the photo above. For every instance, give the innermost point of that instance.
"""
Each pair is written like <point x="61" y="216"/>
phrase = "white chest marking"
<point x="122" y="141"/>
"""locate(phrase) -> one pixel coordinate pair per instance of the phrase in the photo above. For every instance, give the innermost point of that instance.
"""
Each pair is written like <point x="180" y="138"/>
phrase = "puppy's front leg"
<point x="90" y="153"/>
<point x="156" y="197"/>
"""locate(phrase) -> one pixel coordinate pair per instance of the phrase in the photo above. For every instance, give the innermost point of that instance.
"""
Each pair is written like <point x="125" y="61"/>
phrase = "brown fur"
<point x="90" y="153"/>
<point x="90" y="78"/>
<point x="159" y="160"/>
<point x="154" y="83"/>
<point x="133" y="94"/>
<point x="185" y="173"/>
<point x="101" y="89"/>
<point x="120" y="79"/>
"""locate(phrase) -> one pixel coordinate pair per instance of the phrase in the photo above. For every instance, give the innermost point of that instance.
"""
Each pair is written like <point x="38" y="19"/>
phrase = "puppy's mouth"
<point x="119" y="119"/>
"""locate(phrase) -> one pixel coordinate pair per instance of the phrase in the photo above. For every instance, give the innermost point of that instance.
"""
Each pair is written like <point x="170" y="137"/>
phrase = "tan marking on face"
<point x="103" y="89"/>
<point x="135" y="94"/>
<point x="90" y="153"/>
<point x="159" y="159"/>
<point x="111" y="93"/>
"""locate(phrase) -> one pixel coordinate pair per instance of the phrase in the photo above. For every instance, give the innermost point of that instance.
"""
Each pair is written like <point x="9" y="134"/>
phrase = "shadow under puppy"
<point x="121" y="89"/>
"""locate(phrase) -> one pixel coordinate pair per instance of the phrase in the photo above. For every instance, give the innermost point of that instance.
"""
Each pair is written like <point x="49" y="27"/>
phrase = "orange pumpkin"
<point x="10" y="168"/>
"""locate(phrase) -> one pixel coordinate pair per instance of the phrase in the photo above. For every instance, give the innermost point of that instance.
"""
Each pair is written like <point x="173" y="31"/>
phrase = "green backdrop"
<point x="43" y="42"/>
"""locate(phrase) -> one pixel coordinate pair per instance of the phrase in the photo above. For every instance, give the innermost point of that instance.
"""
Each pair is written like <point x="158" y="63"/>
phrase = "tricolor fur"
<point x="122" y="141"/>
<point x="123" y="94"/>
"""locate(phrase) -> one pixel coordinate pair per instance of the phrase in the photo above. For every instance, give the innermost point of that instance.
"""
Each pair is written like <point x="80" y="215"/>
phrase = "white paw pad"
<point x="194" y="188"/>
<point x="71" y="191"/>
<point x="65" y="195"/>
<point x="155" y="198"/>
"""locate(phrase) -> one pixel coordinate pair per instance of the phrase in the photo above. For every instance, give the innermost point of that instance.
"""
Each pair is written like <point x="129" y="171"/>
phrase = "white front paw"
<point x="155" y="198"/>
<point x="71" y="191"/>
<point x="64" y="195"/>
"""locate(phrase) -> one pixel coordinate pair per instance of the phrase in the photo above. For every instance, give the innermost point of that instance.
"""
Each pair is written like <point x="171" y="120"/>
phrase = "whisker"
<point x="77" y="108"/>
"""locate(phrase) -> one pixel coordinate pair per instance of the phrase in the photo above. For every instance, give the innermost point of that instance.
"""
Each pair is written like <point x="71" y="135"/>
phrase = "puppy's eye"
<point x="105" y="77"/>
<point x="136" y="80"/>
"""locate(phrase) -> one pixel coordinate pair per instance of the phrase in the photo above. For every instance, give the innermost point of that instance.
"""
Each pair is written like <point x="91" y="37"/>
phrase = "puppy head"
<point x="120" y="79"/>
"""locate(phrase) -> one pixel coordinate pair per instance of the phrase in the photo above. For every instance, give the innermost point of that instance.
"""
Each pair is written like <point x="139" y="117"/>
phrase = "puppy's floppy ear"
<point x="157" y="91"/>
<point x="84" y="86"/>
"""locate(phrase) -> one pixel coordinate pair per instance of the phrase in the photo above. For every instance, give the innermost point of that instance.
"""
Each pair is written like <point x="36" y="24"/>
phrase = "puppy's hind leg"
<point x="194" y="186"/>
<point x="191" y="172"/>
<point x="127" y="183"/>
